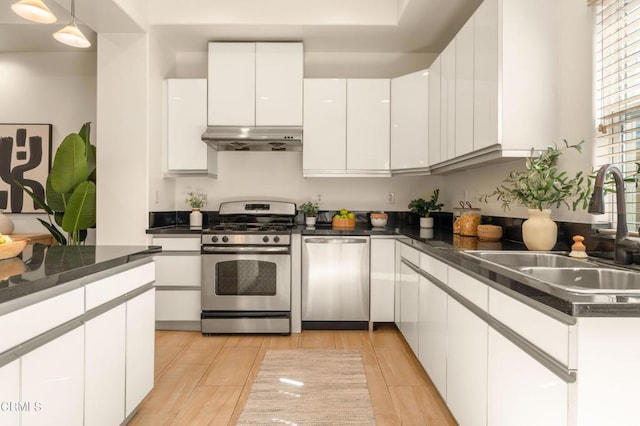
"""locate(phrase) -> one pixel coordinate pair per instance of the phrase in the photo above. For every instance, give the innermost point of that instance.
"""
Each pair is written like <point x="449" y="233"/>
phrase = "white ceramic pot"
<point x="6" y="224"/>
<point x="539" y="232"/>
<point x="426" y="222"/>
<point x="310" y="220"/>
<point x="195" y="219"/>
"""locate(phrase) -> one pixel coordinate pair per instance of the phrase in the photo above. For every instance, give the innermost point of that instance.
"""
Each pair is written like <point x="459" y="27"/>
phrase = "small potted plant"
<point x="310" y="210"/>
<point x="196" y="201"/>
<point x="423" y="208"/>
<point x="540" y="186"/>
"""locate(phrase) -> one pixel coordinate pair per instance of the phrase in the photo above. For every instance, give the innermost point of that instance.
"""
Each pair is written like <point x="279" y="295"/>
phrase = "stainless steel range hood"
<point x="224" y="138"/>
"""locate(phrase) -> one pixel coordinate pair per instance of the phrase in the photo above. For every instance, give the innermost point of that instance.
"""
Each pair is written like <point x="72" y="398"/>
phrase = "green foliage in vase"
<point x="423" y="207"/>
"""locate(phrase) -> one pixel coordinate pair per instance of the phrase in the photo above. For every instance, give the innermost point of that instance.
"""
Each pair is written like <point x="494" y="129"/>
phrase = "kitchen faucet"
<point x="624" y="247"/>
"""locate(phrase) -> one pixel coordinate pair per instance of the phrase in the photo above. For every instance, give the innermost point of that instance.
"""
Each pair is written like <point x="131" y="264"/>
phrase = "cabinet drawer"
<point x="471" y="289"/>
<point x="410" y="254"/>
<point x="178" y="305"/>
<point x="40" y="317"/>
<point x="109" y="288"/>
<point x="178" y="243"/>
<point x="433" y="267"/>
<point x="178" y="269"/>
<point x="550" y="335"/>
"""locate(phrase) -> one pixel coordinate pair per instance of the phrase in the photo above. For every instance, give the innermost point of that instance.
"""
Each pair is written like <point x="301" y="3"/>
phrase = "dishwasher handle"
<point x="335" y="240"/>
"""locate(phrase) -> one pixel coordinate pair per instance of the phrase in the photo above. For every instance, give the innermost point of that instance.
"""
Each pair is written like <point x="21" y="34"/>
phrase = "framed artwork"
<point x="25" y="156"/>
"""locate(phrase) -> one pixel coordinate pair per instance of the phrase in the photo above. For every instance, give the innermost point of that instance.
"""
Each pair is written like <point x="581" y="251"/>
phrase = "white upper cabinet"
<point x="186" y="120"/>
<point x="448" y="102"/>
<point x="325" y="125"/>
<point x="464" y="90"/>
<point x="498" y="94"/>
<point x="410" y="121"/>
<point x="368" y="115"/>
<point x="255" y="84"/>
<point x="435" y="155"/>
<point x="346" y="127"/>
<point x="279" y="76"/>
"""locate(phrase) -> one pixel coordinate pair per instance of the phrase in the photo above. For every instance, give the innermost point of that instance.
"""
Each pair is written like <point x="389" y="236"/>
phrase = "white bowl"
<point x="378" y="222"/>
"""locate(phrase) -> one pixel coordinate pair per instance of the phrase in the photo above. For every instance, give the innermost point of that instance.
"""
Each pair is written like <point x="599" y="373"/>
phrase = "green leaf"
<point x="81" y="208"/>
<point x="39" y="201"/>
<point x="70" y="166"/>
<point x="55" y="232"/>
<point x="54" y="199"/>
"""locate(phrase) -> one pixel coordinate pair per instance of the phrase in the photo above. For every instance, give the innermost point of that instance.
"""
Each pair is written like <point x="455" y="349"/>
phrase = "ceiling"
<point x="408" y="26"/>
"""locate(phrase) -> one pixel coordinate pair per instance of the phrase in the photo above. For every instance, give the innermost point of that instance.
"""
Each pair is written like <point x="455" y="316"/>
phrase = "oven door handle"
<point x="245" y="249"/>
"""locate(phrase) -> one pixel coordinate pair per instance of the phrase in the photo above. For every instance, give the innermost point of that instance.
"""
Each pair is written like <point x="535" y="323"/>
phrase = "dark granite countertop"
<point x="40" y="267"/>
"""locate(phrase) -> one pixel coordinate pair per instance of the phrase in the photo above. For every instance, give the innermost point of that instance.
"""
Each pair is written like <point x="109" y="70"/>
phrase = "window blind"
<point x="617" y="57"/>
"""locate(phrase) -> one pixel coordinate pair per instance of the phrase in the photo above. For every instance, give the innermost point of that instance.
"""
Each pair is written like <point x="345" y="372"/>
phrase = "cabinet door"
<point x="186" y="121"/>
<point x="448" y="101"/>
<point x="231" y="84"/>
<point x="105" y="368"/>
<point x="409" y="306"/>
<point x="397" y="286"/>
<point x="368" y="117"/>
<point x="53" y="377"/>
<point x="325" y="125"/>
<point x="464" y="90"/>
<point x="435" y="154"/>
<point x="409" y="121"/>
<point x="522" y="391"/>
<point x="432" y="334"/>
<point x="139" y="349"/>
<point x="10" y="391"/>
<point x="279" y="73"/>
<point x="382" y="278"/>
<point x="178" y="305"/>
<point x="466" y="365"/>
<point x="485" y="75"/>
<point x="178" y="269"/>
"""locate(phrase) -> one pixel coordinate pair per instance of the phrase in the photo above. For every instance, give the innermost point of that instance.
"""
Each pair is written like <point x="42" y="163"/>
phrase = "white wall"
<point x="56" y="88"/>
<point x="254" y="175"/>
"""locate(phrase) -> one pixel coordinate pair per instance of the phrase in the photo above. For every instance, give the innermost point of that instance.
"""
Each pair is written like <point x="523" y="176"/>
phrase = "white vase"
<point x="195" y="219"/>
<point x="426" y="222"/>
<point x="539" y="232"/>
<point x="310" y="220"/>
<point x="6" y="225"/>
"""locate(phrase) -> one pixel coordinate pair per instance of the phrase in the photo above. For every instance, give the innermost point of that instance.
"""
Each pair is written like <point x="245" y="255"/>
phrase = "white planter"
<point x="426" y="222"/>
<point x="195" y="219"/>
<point x="539" y="232"/>
<point x="310" y="220"/>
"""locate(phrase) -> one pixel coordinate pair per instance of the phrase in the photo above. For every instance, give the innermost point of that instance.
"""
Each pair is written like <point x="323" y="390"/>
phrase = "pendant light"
<point x="34" y="10"/>
<point x="71" y="34"/>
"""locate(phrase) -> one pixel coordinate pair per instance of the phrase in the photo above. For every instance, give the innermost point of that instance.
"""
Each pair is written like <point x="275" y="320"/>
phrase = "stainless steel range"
<point x="246" y="269"/>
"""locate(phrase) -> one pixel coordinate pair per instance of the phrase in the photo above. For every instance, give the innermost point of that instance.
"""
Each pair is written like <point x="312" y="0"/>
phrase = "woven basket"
<point x="340" y="223"/>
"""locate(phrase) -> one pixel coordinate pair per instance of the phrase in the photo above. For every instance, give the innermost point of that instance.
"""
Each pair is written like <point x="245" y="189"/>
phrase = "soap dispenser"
<point x="578" y="250"/>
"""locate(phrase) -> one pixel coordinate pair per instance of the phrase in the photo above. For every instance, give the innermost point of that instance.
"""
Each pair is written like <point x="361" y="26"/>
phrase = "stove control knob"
<point x="214" y="239"/>
<point x="276" y="239"/>
<point x="265" y="239"/>
<point x="225" y="239"/>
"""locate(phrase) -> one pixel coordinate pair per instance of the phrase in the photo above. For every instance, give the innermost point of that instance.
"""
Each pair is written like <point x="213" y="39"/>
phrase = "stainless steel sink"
<point x="588" y="280"/>
<point x="522" y="259"/>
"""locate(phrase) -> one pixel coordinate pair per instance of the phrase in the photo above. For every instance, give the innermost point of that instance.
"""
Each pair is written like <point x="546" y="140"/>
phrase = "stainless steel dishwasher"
<point x="335" y="282"/>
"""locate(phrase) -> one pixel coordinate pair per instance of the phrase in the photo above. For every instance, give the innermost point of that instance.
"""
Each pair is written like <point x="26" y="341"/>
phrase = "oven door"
<point x="246" y="282"/>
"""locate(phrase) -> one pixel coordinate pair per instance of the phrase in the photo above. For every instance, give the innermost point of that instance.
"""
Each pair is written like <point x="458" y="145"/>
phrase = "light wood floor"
<point x="205" y="380"/>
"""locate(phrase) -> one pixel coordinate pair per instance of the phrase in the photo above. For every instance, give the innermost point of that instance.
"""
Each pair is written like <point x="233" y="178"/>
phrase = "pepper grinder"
<point x="578" y="250"/>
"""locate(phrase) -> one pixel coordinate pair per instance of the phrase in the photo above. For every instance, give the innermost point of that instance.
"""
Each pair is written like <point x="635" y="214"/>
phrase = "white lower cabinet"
<point x="140" y="339"/>
<point x="432" y="333"/>
<point x="52" y="381"/>
<point x="105" y="368"/>
<point x="466" y="364"/>
<point x="521" y="391"/>
<point x="10" y="392"/>
<point x="382" y="276"/>
<point x="409" y="305"/>
<point x="178" y="305"/>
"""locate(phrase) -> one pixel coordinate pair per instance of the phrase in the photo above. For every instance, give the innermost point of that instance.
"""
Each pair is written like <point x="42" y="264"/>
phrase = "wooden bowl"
<point x="340" y="223"/>
<point x="12" y="249"/>
<point x="11" y="267"/>
<point x="489" y="232"/>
